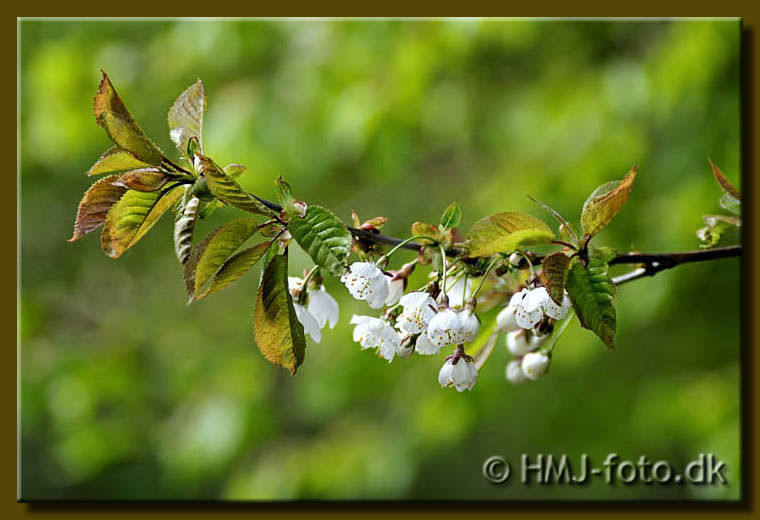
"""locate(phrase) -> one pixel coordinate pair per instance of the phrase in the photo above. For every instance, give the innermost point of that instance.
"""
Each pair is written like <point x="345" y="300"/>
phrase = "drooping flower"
<point x="419" y="309"/>
<point x="314" y="309"/>
<point x="309" y="322"/>
<point x="470" y="324"/>
<point x="395" y="290"/>
<point x="372" y="332"/>
<point x="517" y="342"/>
<point x="505" y="320"/>
<point x="459" y="292"/>
<point x="365" y="281"/>
<point x="514" y="373"/>
<point x="532" y="305"/>
<point x="445" y="328"/>
<point x="458" y="371"/>
<point x="397" y="283"/>
<point x="425" y="347"/>
<point x="534" y="364"/>
<point x="323" y="307"/>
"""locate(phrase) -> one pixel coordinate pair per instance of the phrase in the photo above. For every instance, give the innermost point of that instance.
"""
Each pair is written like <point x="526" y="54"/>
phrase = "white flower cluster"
<point x="423" y="325"/>
<point x="522" y="321"/>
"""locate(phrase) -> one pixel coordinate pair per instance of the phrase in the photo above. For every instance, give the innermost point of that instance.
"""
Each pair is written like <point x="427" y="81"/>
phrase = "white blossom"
<point x="309" y="322"/>
<point x="461" y="373"/>
<point x="459" y="292"/>
<point x="505" y="320"/>
<point x="320" y="308"/>
<point x="419" y="309"/>
<point x="537" y="340"/>
<point x="395" y="290"/>
<point x="372" y="332"/>
<point x="445" y="329"/>
<point x="365" y="281"/>
<point x="531" y="305"/>
<point x="426" y="347"/>
<point x="517" y="342"/>
<point x="514" y="372"/>
<point x="534" y="364"/>
<point x="470" y="325"/>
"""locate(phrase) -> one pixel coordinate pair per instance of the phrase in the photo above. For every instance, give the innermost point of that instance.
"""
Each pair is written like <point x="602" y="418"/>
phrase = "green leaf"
<point x="223" y="187"/>
<point x="605" y="202"/>
<point x="278" y="333"/>
<point x="730" y="204"/>
<point x="133" y="216"/>
<point x="116" y="159"/>
<point x="95" y="205"/>
<point x="554" y="273"/>
<point x="423" y="229"/>
<point x="186" y="118"/>
<point x="505" y="232"/>
<point x="235" y="170"/>
<point x="727" y="186"/>
<point x="451" y="217"/>
<point x="285" y="195"/>
<point x="324" y="237"/>
<point x="111" y="114"/>
<point x="144" y="179"/>
<point x="235" y="267"/>
<point x="564" y="226"/>
<point x="593" y="296"/>
<point x="214" y="250"/>
<point x="184" y="223"/>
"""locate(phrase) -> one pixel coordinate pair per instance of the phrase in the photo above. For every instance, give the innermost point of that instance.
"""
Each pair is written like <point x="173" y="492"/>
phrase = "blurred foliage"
<point x="128" y="393"/>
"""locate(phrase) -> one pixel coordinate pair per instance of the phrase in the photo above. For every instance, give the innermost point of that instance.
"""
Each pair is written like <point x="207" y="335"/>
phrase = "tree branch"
<point x="652" y="263"/>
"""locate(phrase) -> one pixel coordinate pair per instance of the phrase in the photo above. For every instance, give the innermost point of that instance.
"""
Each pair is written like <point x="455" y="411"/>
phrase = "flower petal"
<point x="323" y="307"/>
<point x="425" y="347"/>
<point x="310" y="325"/>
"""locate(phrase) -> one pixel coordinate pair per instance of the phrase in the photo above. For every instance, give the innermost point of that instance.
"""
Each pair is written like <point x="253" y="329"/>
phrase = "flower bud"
<point x="534" y="364"/>
<point x="470" y="325"/>
<point x="299" y="207"/>
<point x="537" y="340"/>
<point x="514" y="373"/>
<point x="515" y="259"/>
<point x="505" y="320"/>
<point x="517" y="343"/>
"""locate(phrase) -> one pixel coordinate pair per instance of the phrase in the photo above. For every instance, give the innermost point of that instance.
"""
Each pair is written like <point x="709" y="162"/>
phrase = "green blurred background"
<point x="128" y="393"/>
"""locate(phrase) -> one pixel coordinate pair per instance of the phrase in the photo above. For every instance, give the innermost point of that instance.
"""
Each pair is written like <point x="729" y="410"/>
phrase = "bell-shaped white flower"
<point x="311" y="325"/>
<point x="395" y="290"/>
<point x="372" y="332"/>
<point x="323" y="307"/>
<point x="517" y="342"/>
<point x="459" y="292"/>
<point x="309" y="322"/>
<point x="445" y="329"/>
<point x="459" y="372"/>
<point x="426" y="347"/>
<point x="365" y="281"/>
<point x="534" y="364"/>
<point x="514" y="373"/>
<point x="531" y="305"/>
<point x="505" y="320"/>
<point x="470" y="325"/>
<point x="419" y="309"/>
